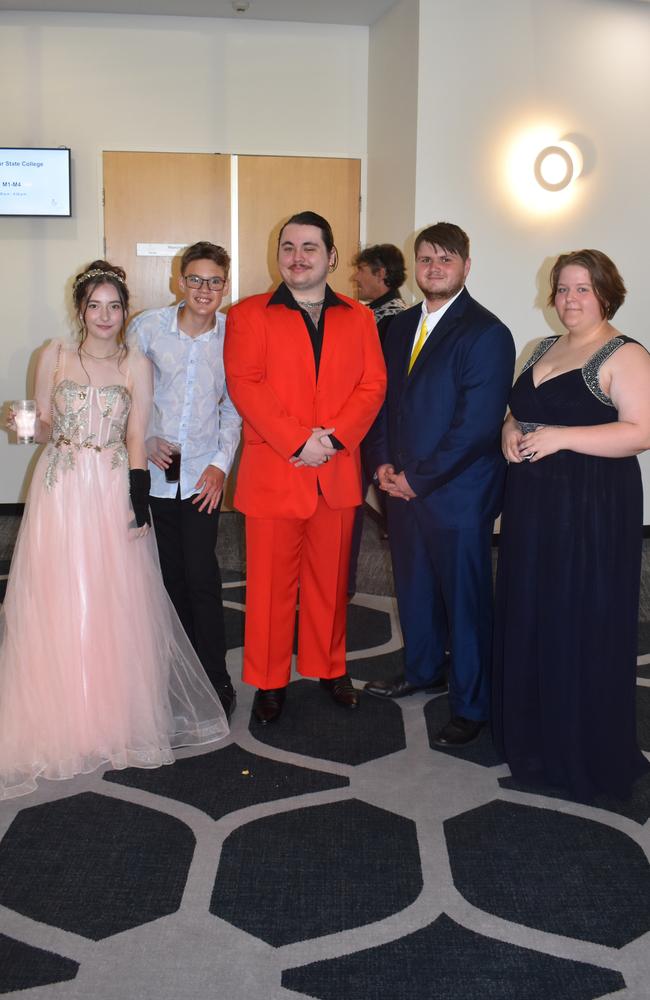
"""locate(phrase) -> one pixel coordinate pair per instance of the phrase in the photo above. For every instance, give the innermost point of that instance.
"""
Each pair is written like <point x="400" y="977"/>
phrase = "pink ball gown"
<point x="95" y="667"/>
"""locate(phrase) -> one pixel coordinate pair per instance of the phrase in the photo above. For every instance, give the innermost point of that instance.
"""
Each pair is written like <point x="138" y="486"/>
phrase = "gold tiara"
<point x="97" y="272"/>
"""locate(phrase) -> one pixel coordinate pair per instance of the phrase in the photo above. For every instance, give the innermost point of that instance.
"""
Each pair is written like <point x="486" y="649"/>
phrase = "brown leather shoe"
<point x="268" y="704"/>
<point x="341" y="690"/>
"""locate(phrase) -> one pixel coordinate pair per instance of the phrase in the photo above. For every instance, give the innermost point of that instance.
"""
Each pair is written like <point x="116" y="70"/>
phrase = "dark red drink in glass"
<point x="173" y="470"/>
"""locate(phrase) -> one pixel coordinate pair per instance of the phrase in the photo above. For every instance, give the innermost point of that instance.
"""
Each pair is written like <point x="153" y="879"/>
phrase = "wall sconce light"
<point x="558" y="165"/>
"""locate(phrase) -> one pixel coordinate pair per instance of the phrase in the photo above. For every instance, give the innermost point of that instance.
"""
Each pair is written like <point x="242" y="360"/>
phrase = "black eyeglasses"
<point x="214" y="284"/>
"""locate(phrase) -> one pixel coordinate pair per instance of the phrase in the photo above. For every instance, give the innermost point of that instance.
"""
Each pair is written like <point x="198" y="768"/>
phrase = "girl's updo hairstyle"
<point x="100" y="272"/>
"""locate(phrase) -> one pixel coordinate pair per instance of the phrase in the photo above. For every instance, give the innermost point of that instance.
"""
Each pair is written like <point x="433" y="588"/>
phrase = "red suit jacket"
<point x="271" y="376"/>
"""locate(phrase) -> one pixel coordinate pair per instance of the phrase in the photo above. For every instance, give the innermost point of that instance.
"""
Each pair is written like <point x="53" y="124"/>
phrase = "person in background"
<point x="192" y="417"/>
<point x="305" y="370"/>
<point x="379" y="273"/>
<point x="94" y="665"/>
<point x="567" y="595"/>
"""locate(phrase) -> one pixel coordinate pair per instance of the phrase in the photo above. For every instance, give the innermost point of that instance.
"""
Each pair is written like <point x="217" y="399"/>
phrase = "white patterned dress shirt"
<point x="191" y="405"/>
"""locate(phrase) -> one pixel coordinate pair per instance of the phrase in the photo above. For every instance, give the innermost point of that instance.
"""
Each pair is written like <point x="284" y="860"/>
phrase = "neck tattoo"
<point x="313" y="309"/>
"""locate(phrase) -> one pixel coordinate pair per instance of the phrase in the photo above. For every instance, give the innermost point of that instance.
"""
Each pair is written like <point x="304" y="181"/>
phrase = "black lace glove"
<point x="139" y="486"/>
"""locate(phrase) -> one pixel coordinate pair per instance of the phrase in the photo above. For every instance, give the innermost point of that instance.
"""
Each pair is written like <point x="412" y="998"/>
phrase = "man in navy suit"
<point x="436" y="449"/>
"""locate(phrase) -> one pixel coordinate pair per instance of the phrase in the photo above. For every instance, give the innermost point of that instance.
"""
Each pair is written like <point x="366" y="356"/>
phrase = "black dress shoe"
<point x="267" y="704"/>
<point x="399" y="687"/>
<point x="341" y="690"/>
<point x="228" y="699"/>
<point x="458" y="732"/>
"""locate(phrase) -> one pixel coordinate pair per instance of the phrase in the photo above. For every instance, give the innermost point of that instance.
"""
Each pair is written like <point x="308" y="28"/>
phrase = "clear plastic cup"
<point x="25" y="420"/>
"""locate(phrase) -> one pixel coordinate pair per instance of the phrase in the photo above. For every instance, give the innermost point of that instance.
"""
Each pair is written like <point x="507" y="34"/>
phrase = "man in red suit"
<point x="305" y="370"/>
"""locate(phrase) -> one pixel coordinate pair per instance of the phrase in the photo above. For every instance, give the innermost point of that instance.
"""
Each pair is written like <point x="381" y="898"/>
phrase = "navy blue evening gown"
<point x="567" y="597"/>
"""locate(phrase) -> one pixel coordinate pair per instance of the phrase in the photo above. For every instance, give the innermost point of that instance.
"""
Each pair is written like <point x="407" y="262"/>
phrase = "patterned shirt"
<point x="191" y="405"/>
<point x="384" y="308"/>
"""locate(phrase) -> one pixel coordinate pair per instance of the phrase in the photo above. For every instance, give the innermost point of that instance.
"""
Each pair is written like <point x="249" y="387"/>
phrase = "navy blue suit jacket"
<point x="441" y="425"/>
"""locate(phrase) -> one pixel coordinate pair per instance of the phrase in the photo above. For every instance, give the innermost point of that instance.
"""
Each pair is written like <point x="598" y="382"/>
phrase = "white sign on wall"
<point x="158" y="249"/>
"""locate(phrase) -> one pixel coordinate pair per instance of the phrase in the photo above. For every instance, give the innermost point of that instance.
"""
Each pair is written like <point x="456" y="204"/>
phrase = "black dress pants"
<point x="186" y="541"/>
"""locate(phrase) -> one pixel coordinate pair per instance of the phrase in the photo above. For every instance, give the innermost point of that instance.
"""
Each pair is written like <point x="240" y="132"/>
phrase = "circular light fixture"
<point x="556" y="166"/>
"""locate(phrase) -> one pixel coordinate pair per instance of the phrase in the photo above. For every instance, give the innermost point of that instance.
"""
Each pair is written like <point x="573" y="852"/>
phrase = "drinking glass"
<point x="173" y="470"/>
<point x="25" y="420"/>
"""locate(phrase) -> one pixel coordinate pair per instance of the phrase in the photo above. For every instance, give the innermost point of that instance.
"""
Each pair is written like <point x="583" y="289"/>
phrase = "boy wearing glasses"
<point x="192" y="415"/>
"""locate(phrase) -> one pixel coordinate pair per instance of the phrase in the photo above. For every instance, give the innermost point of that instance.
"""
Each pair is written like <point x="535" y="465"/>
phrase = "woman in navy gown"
<point x="564" y="684"/>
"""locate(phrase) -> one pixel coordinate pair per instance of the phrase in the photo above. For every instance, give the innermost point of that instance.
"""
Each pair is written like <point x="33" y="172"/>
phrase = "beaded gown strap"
<point x="539" y="351"/>
<point x="591" y="368"/>
<point x="55" y="375"/>
<point x="127" y="371"/>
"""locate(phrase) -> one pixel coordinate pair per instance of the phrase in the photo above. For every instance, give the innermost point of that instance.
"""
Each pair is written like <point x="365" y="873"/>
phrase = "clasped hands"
<point x="394" y="483"/>
<point x="317" y="450"/>
<point x="534" y="445"/>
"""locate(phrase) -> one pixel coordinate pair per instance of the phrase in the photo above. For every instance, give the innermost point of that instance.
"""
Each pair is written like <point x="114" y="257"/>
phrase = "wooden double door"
<point x="157" y="203"/>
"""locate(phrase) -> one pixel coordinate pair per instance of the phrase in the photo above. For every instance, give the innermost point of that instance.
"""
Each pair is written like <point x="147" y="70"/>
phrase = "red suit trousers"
<point x="284" y="555"/>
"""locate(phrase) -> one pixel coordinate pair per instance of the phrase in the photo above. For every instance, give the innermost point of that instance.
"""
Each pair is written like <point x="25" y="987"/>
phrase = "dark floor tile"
<point x="445" y="961"/>
<point x="23" y="967"/>
<point x="643" y="716"/>
<point x="94" y="865"/>
<point x="313" y="725"/>
<point x="373" y="668"/>
<point x="545" y="869"/>
<point x="226" y="780"/>
<point x="644" y="638"/>
<point x="309" y="872"/>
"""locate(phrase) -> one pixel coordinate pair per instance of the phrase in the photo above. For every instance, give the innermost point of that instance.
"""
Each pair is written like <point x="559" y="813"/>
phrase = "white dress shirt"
<point x="191" y="405"/>
<point x="432" y="318"/>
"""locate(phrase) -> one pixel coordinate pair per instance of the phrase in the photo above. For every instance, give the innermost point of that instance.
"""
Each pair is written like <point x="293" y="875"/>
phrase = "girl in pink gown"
<point x="95" y="667"/>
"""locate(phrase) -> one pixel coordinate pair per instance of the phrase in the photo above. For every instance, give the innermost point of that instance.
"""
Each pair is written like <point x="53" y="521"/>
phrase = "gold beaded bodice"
<point x="86" y="418"/>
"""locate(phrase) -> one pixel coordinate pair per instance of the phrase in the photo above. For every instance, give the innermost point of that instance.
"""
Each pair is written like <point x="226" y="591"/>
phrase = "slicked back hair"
<point x="311" y="219"/>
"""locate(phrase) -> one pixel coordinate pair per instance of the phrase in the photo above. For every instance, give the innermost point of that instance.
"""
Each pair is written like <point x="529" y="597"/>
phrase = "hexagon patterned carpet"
<point x="333" y="855"/>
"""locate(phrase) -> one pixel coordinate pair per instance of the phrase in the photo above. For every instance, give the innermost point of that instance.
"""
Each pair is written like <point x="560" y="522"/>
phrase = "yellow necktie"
<point x="419" y="344"/>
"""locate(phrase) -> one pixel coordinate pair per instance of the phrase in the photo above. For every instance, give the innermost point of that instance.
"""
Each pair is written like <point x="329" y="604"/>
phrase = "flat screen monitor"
<point x="35" y="182"/>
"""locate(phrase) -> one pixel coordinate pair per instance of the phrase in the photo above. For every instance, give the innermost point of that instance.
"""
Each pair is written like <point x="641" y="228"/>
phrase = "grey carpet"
<point x="333" y="856"/>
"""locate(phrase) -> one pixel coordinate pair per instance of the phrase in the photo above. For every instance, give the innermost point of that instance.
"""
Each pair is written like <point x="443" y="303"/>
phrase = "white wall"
<point x="392" y="125"/>
<point x="96" y="82"/>
<point x="577" y="67"/>
<point x="438" y="94"/>
<point x="491" y="76"/>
